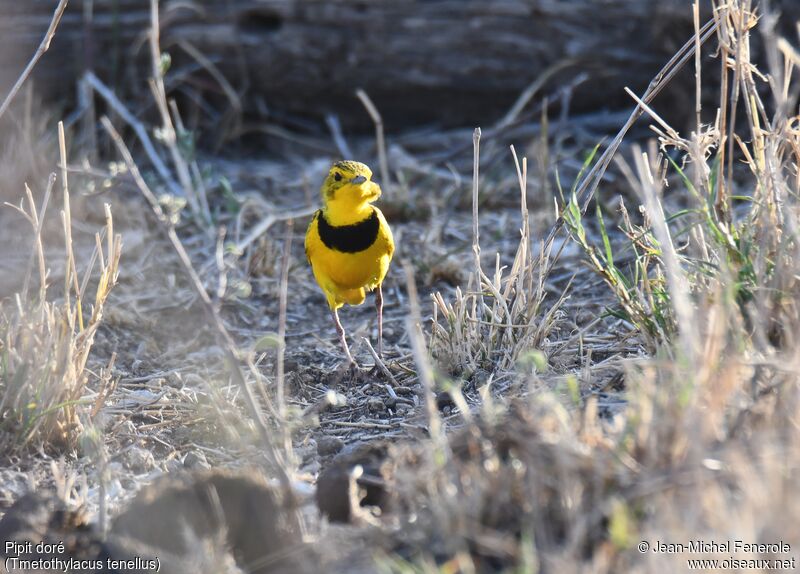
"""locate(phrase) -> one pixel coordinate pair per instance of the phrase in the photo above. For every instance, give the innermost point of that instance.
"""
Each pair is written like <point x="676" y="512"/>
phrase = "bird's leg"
<point x="342" y="339"/>
<point x="379" y="307"/>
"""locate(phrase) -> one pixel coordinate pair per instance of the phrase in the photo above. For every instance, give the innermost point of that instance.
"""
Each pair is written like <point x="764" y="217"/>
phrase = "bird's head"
<point x="349" y="184"/>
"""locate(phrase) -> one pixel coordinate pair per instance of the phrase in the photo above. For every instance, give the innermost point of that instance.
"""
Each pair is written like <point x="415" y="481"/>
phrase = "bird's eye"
<point x="337" y="176"/>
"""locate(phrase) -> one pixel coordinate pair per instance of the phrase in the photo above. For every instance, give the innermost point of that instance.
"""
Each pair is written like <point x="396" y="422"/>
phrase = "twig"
<point x="338" y="137"/>
<point x="360" y="425"/>
<point x="530" y="91"/>
<point x="223" y="336"/>
<point x="676" y="279"/>
<point x="168" y="129"/>
<point x="138" y="128"/>
<point x="214" y="72"/>
<point x="476" y="232"/>
<point x="588" y="185"/>
<point x="71" y="271"/>
<point x="219" y="256"/>
<point x="38" y="248"/>
<point x="43" y="47"/>
<point x="235" y="111"/>
<point x="200" y="185"/>
<point x="592" y="179"/>
<point x="724" y="54"/>
<point x="424" y="368"/>
<point x="652" y="113"/>
<point x="380" y="364"/>
<point x="698" y="102"/>
<point x="269" y="220"/>
<point x="280" y="376"/>
<point x="87" y="112"/>
<point x="378" y="121"/>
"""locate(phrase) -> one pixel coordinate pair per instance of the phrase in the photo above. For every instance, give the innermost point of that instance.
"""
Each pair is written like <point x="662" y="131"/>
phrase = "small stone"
<point x="175" y="379"/>
<point x="196" y="460"/>
<point x="376" y="405"/>
<point x="311" y="468"/>
<point x="361" y="476"/>
<point x="128" y="483"/>
<point x="202" y="514"/>
<point x="479" y="378"/>
<point x="444" y="400"/>
<point x="138" y="460"/>
<point x="327" y="445"/>
<point x="13" y="485"/>
<point x="306" y="452"/>
<point x="173" y="465"/>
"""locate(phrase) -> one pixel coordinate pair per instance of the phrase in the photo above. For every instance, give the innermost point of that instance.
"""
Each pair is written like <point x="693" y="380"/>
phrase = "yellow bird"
<point x="349" y="244"/>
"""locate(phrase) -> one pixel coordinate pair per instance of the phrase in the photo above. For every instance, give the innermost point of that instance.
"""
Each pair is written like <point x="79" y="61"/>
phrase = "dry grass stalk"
<point x="195" y="196"/>
<point x="586" y="187"/>
<point x="280" y="378"/>
<point x="46" y="344"/>
<point x="379" y="137"/>
<point x="191" y="185"/>
<point x="421" y="357"/>
<point x="138" y="128"/>
<point x="476" y="229"/>
<point x="43" y="47"/>
<point x="491" y="328"/>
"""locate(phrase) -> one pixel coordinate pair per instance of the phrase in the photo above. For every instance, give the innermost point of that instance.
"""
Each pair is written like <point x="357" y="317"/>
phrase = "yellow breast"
<point x="349" y="257"/>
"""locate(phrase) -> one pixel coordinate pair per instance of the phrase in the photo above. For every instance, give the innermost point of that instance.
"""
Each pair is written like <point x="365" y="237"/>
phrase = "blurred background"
<point x="245" y="67"/>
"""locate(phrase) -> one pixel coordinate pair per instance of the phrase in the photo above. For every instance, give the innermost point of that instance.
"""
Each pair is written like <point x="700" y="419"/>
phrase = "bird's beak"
<point x="358" y="180"/>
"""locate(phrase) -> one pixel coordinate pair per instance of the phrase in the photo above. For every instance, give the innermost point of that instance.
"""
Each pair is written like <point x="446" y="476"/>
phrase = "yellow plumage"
<point x="349" y="243"/>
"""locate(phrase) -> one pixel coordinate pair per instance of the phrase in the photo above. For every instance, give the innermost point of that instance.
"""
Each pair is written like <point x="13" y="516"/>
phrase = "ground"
<point x="172" y="404"/>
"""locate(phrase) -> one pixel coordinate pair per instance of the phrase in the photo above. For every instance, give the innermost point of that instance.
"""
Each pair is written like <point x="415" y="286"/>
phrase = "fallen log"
<point x="454" y="62"/>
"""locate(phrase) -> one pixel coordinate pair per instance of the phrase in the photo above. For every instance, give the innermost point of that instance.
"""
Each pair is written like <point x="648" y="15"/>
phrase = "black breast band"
<point x="349" y="238"/>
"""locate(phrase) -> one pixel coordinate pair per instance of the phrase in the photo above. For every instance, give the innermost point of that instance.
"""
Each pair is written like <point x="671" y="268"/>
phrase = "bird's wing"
<point x="309" y="245"/>
<point x="385" y="233"/>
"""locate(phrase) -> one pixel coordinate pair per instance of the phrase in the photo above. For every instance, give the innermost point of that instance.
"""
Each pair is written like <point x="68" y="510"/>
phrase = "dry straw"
<point x="46" y="340"/>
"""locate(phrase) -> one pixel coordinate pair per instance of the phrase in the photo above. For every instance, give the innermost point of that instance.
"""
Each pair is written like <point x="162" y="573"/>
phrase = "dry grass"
<point x="46" y="340"/>
<point x="489" y="329"/>
<point x="706" y="446"/>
